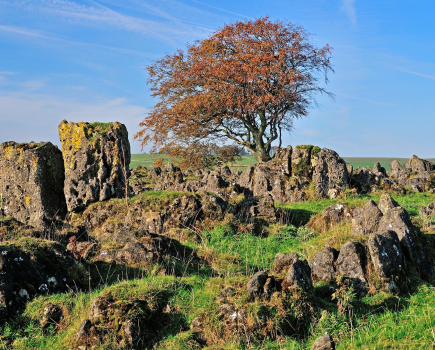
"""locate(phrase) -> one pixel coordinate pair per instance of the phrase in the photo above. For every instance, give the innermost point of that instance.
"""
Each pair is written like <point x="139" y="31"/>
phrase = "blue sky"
<point x="84" y="61"/>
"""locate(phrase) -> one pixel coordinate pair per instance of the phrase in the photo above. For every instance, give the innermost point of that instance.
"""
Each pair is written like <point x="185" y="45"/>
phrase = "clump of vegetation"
<point x="101" y="128"/>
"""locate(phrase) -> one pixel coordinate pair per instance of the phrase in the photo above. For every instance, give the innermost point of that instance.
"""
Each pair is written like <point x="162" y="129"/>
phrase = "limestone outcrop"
<point x="95" y="156"/>
<point x="31" y="182"/>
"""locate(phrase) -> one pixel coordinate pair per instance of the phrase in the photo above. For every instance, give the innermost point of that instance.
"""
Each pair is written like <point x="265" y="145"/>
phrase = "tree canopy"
<point x="245" y="84"/>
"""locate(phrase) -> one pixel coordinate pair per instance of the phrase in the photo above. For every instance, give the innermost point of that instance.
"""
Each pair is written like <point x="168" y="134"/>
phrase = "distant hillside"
<point x="148" y="160"/>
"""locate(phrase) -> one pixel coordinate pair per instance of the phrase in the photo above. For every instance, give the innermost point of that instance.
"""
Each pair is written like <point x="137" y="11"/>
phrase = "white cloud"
<point x="349" y="8"/>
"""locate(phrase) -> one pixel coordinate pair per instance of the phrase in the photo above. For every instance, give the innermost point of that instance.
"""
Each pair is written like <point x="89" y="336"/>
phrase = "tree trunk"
<point x="260" y="154"/>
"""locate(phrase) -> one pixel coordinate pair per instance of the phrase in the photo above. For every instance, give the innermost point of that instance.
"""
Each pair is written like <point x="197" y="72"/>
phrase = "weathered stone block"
<point x="94" y="156"/>
<point x="329" y="172"/>
<point x="31" y="182"/>
<point x="350" y="264"/>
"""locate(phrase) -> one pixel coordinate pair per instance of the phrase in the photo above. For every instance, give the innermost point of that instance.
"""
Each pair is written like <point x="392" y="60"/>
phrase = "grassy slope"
<point x="391" y="322"/>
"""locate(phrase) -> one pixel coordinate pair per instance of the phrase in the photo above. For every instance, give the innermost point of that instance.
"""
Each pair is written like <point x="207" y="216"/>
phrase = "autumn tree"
<point x="246" y="83"/>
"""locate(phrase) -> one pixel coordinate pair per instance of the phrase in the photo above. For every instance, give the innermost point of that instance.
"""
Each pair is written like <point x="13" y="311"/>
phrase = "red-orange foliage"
<point x="246" y="83"/>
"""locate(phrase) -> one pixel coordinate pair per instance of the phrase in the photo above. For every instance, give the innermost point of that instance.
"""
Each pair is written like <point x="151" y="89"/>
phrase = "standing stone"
<point x="31" y="182"/>
<point x="256" y="283"/>
<point x="418" y="165"/>
<point x="94" y="156"/>
<point x="397" y="220"/>
<point x="284" y="260"/>
<point x="322" y="265"/>
<point x="386" y="254"/>
<point x="386" y="203"/>
<point x="301" y="162"/>
<point x="365" y="220"/>
<point x="350" y="263"/>
<point x="299" y="275"/>
<point x="330" y="172"/>
<point x="281" y="161"/>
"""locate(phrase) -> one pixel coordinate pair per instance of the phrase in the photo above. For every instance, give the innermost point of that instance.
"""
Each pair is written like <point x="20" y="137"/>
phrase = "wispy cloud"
<point x="349" y="8"/>
<point x="169" y="32"/>
<point x="416" y="73"/>
<point x="43" y="35"/>
<point x="221" y="9"/>
<point x="368" y="100"/>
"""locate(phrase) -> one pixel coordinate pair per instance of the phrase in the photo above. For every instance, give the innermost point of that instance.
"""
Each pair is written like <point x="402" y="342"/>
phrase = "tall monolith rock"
<point x="31" y="182"/>
<point x="95" y="157"/>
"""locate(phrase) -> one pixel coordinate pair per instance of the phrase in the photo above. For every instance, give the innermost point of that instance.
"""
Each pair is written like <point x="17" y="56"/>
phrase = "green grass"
<point x="232" y="252"/>
<point x="249" y="160"/>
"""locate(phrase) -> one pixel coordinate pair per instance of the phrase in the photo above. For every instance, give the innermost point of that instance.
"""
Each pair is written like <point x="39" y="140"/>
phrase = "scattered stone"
<point x="386" y="203"/>
<point x="31" y="183"/>
<point x="365" y="220"/>
<point x="283" y="261"/>
<point x="51" y="315"/>
<point x="325" y="342"/>
<point x="427" y="211"/>
<point x="256" y="283"/>
<point x="264" y="208"/>
<point x="299" y="275"/>
<point x="379" y="170"/>
<point x="329" y="218"/>
<point x="322" y="265"/>
<point x="95" y="156"/>
<point x="397" y="220"/>
<point x="350" y="264"/>
<point x="386" y="253"/>
<point x="224" y="293"/>
<point x="43" y="270"/>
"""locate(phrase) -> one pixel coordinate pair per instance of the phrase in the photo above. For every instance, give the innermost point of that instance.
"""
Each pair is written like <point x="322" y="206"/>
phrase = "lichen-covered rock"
<point x="428" y="210"/>
<point x="329" y="172"/>
<point x="301" y="161"/>
<point x="256" y="283"/>
<point x="397" y="220"/>
<point x="322" y="265"/>
<point x="365" y="220"/>
<point x="42" y="270"/>
<point x="95" y="156"/>
<point x="386" y="203"/>
<point x="419" y="165"/>
<point x="299" y="275"/>
<point x="330" y="217"/>
<point x="325" y="342"/>
<point x="284" y="261"/>
<point x="350" y="264"/>
<point x="264" y="208"/>
<point x="364" y="180"/>
<point x="125" y="320"/>
<point x="281" y="161"/>
<point x="261" y="181"/>
<point x="51" y="316"/>
<point x="133" y="247"/>
<point x="398" y="171"/>
<point x="245" y="179"/>
<point x="31" y="182"/>
<point x="379" y="170"/>
<point x="386" y="253"/>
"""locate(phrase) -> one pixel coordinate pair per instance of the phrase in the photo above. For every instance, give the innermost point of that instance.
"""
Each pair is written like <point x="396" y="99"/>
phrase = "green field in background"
<point x="148" y="160"/>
